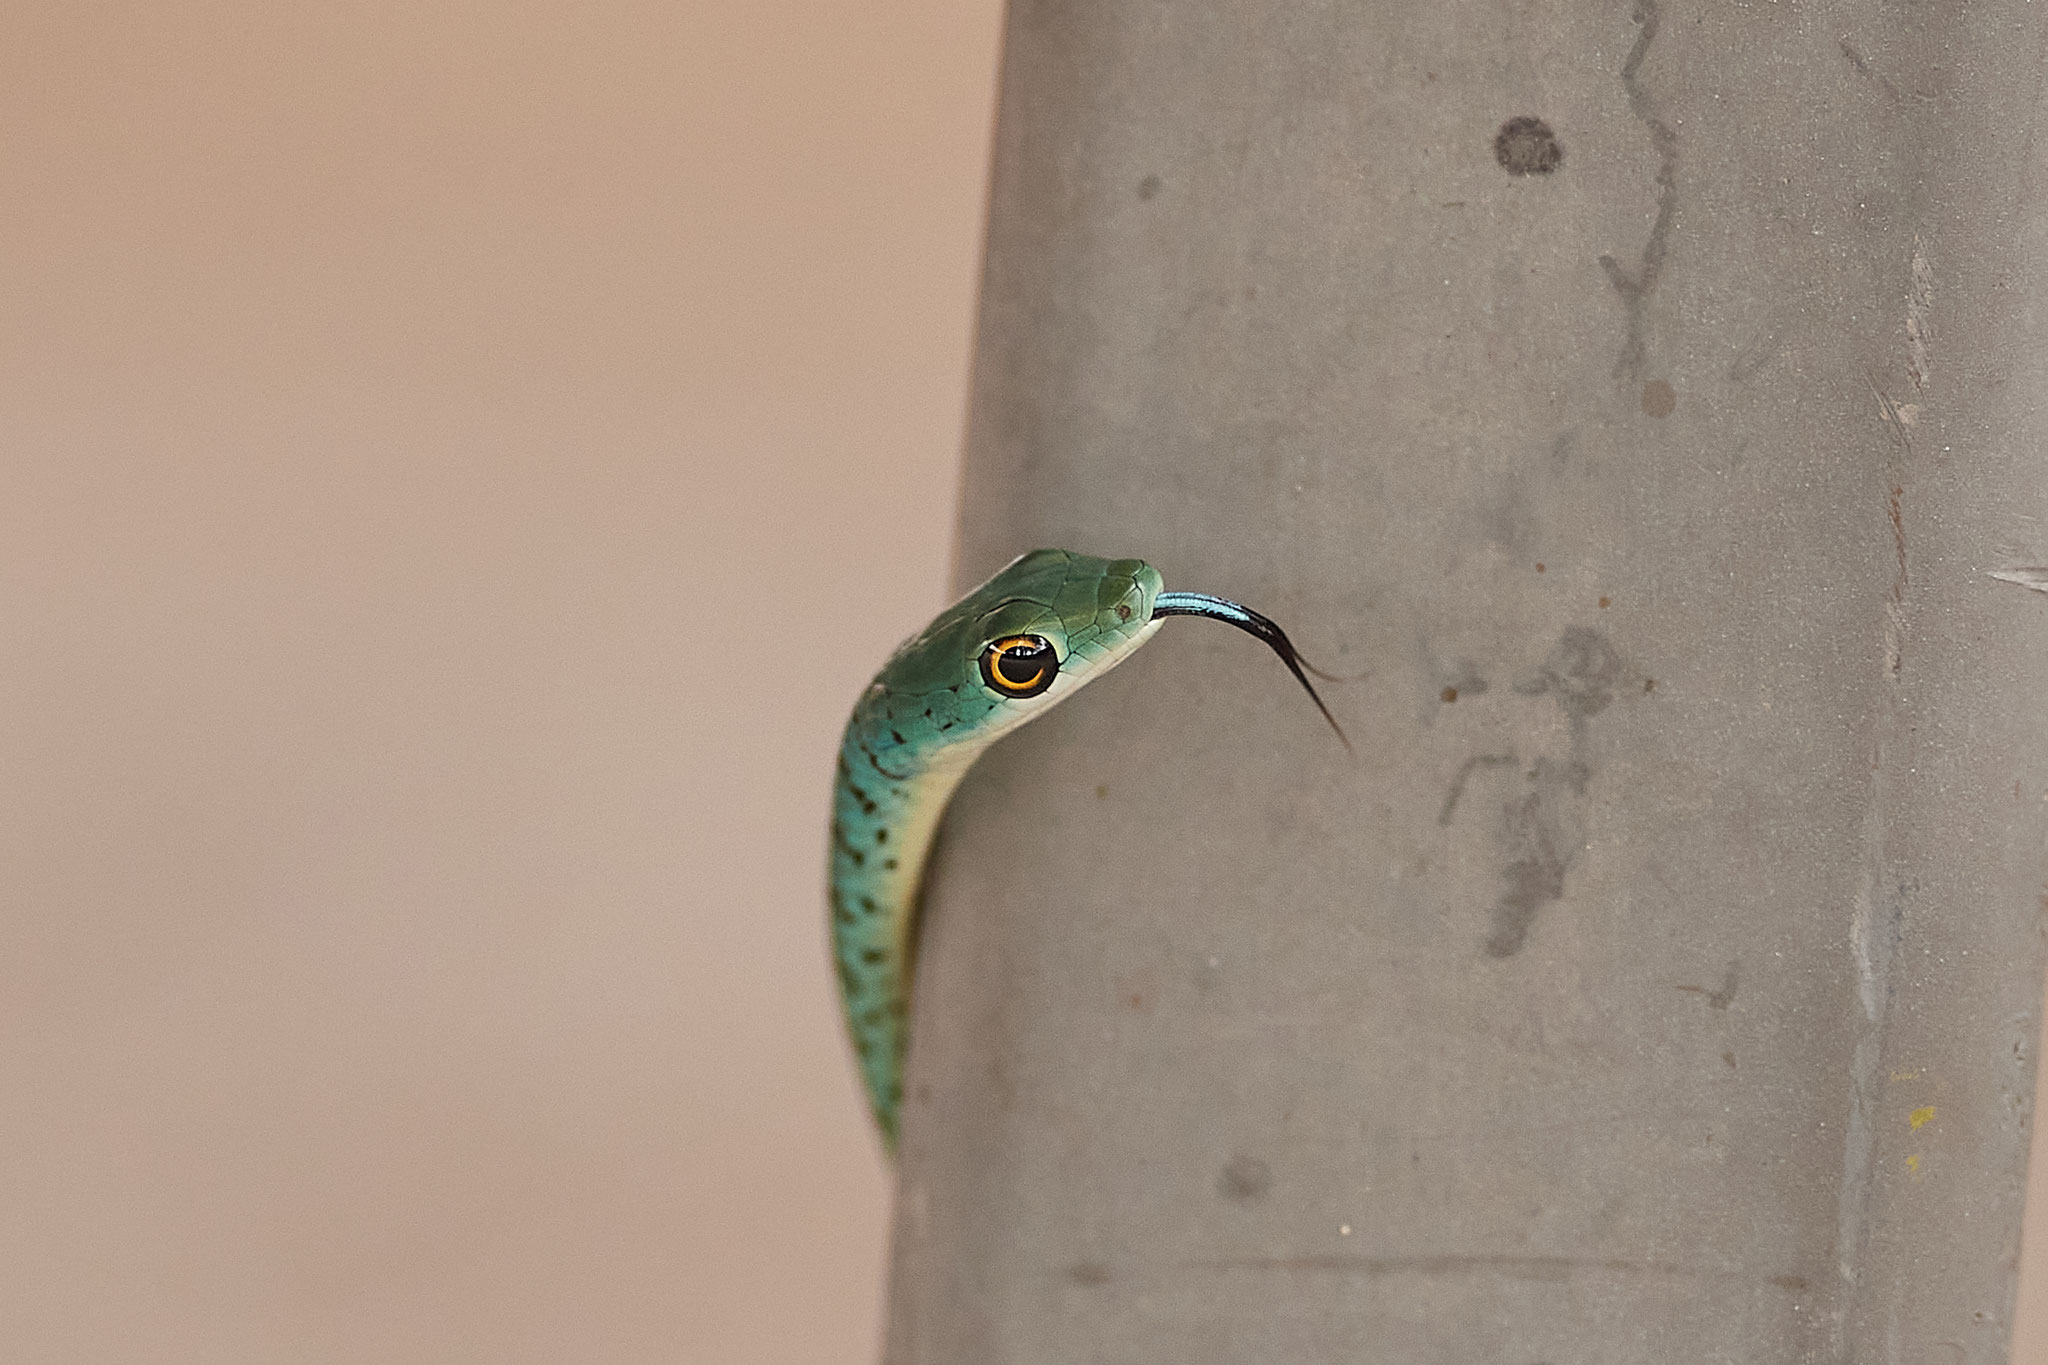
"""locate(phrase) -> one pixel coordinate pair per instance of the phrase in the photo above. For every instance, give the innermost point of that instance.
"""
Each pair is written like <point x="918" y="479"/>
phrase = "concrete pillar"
<point x="1652" y="404"/>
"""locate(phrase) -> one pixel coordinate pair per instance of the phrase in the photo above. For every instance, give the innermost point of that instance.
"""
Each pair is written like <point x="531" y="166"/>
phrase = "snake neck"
<point x="894" y="780"/>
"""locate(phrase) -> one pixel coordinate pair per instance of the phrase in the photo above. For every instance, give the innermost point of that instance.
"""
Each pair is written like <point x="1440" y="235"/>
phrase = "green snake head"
<point x="1029" y="638"/>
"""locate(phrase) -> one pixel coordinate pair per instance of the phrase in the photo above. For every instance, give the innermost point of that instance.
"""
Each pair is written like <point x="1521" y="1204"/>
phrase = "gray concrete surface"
<point x="1659" y="980"/>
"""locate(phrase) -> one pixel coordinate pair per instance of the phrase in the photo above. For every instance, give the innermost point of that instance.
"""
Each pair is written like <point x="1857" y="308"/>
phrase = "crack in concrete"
<point x="1635" y="289"/>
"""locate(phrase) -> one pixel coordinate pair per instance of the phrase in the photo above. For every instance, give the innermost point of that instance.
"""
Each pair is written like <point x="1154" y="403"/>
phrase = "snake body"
<point x="1041" y="629"/>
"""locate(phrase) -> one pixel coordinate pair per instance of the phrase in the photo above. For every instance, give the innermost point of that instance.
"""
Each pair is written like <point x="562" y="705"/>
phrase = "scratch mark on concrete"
<point x="1724" y="995"/>
<point x="2035" y="579"/>
<point x="1883" y="82"/>
<point x="1898" y="520"/>
<point x="1919" y="307"/>
<point x="1657" y="876"/>
<point x="1895" y="603"/>
<point x="1763" y="346"/>
<point x="1895" y="422"/>
<point x="1635" y="289"/>
<point x="1895" y="425"/>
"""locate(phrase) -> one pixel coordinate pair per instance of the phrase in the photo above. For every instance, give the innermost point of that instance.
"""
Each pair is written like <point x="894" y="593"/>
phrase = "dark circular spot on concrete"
<point x="1148" y="187"/>
<point x="1581" y="672"/>
<point x="1089" y="1274"/>
<point x="1526" y="146"/>
<point x="1246" y="1177"/>
<point x="1659" y="398"/>
<point x="1449" y="694"/>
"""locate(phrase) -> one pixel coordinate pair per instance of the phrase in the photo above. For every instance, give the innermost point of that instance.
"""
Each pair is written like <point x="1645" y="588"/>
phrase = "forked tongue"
<point x="1251" y="623"/>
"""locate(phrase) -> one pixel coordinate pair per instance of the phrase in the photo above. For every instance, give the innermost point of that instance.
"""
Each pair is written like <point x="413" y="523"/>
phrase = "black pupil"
<point x="1022" y="667"/>
<point x="1021" y="664"/>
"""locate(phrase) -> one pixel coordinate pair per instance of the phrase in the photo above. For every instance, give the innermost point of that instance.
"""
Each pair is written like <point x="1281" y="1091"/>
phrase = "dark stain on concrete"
<point x="1582" y="672"/>
<point x="1457" y="791"/>
<point x="1543" y="827"/>
<point x="1244" y="1178"/>
<point x="1088" y="1274"/>
<point x="1635" y="287"/>
<point x="1540" y="835"/>
<point x="1526" y="145"/>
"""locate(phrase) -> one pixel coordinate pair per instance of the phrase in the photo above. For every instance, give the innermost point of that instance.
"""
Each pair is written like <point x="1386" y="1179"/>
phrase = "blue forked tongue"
<point x="1251" y="623"/>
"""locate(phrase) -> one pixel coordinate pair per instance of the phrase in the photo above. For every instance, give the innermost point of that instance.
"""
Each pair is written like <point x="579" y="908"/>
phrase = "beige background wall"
<point x="457" y="465"/>
<point x="456" y="468"/>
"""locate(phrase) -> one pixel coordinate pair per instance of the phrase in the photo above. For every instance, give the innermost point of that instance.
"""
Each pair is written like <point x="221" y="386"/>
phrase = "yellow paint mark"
<point x="1910" y="1075"/>
<point x="1922" y="1116"/>
<point x="1913" y="1164"/>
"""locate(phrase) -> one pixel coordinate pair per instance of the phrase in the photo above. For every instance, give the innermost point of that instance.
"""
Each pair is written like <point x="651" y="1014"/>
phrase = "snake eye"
<point x="1020" y="665"/>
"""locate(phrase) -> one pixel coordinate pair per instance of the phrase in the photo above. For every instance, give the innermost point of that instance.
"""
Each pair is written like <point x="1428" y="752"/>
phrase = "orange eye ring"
<point x="1019" y="665"/>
